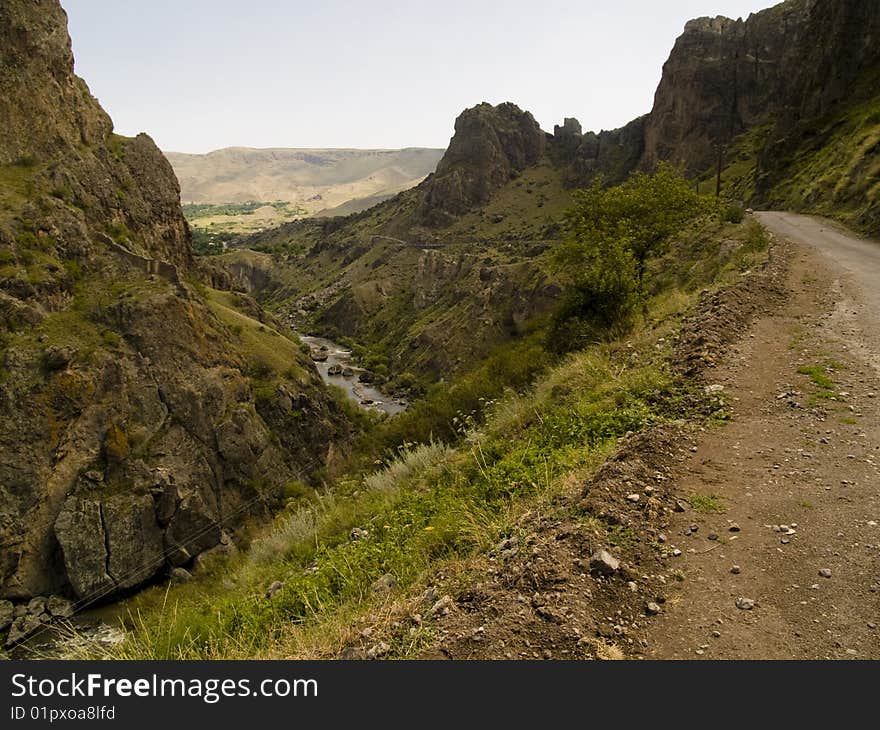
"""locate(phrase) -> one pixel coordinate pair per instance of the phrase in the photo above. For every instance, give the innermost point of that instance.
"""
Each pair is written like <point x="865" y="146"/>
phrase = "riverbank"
<point x="336" y="367"/>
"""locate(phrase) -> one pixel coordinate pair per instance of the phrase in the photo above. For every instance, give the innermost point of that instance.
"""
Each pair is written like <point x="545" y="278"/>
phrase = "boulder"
<point x="79" y="529"/>
<point x="385" y="584"/>
<point x="180" y="575"/>
<point x="36" y="606"/>
<point x="22" y="628"/>
<point x="134" y="539"/>
<point x="58" y="358"/>
<point x="109" y="546"/>
<point x="59" y="607"/>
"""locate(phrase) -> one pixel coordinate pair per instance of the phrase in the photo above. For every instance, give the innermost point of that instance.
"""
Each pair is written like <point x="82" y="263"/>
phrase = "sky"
<point x="199" y="75"/>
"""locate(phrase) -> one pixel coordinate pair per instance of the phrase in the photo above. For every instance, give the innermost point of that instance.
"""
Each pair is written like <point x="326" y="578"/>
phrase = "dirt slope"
<point x="796" y="454"/>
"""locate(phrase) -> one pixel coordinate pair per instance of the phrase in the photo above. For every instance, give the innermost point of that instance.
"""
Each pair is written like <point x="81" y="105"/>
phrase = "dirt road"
<point x="797" y="471"/>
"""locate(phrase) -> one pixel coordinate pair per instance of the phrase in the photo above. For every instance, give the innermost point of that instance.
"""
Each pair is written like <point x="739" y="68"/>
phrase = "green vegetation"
<point x="436" y="487"/>
<point x="613" y="234"/>
<point x="269" y="351"/>
<point x="196" y="211"/>
<point x="828" y="166"/>
<point x="820" y="375"/>
<point x="210" y="242"/>
<point x="431" y="506"/>
<point x="216" y="225"/>
<point x="706" y="503"/>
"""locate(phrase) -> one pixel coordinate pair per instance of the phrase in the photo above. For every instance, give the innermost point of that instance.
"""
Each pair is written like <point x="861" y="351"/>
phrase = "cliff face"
<point x="783" y="66"/>
<point x="491" y="145"/>
<point x="140" y="421"/>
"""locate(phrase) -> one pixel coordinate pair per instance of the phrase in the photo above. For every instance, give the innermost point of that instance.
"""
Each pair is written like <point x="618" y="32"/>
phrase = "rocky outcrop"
<point x="785" y="65"/>
<point x="131" y="433"/>
<point x="45" y="108"/>
<point x="109" y="545"/>
<point x="491" y="145"/>
<point x="611" y="154"/>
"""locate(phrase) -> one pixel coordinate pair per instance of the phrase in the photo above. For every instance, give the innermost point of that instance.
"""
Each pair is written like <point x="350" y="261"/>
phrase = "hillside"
<point x="217" y="188"/>
<point x="602" y="367"/>
<point x="142" y="420"/>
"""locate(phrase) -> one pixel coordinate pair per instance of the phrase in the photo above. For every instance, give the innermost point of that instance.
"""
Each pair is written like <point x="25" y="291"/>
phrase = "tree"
<point x="612" y="235"/>
<point x="642" y="214"/>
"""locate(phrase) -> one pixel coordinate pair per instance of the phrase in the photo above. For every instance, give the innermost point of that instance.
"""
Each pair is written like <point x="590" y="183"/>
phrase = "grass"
<point x="432" y="505"/>
<point x="820" y="375"/>
<point x="264" y="345"/>
<point x="706" y="503"/>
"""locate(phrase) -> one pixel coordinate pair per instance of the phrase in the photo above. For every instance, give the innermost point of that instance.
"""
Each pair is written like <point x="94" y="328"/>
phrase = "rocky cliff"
<point x="491" y="145"/>
<point x="140" y="422"/>
<point x="784" y="67"/>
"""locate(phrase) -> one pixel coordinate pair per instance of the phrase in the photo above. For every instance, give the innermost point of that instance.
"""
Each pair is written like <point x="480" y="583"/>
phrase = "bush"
<point x="602" y="302"/>
<point x="612" y="234"/>
<point x="733" y="213"/>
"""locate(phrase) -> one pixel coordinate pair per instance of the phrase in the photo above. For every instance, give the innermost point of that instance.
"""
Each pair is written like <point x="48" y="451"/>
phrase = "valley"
<point x="539" y="395"/>
<point x="239" y="191"/>
<point x="337" y="369"/>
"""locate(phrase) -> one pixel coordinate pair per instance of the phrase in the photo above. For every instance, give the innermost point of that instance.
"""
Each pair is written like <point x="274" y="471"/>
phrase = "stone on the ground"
<point x="745" y="604"/>
<point x="604" y="563"/>
<point x="633" y="497"/>
<point x="36" y="606"/>
<point x="736" y="570"/>
<point x="22" y="628"/>
<point x="378" y="650"/>
<point x="652" y="608"/>
<point x="180" y="575"/>
<point x="358" y="534"/>
<point x="734" y="527"/>
<point x="509" y="547"/>
<point x="825" y="572"/>
<point x="442" y="607"/>
<point x="60" y="607"/>
<point x="385" y="584"/>
<point x="273" y="588"/>
<point x="352" y="654"/>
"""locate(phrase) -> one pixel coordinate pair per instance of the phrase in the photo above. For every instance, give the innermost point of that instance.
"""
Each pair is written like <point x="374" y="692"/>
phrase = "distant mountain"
<point x="311" y="179"/>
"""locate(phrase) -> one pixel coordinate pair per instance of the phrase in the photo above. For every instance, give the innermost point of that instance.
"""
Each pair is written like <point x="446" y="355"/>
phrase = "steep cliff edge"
<point x="139" y="421"/>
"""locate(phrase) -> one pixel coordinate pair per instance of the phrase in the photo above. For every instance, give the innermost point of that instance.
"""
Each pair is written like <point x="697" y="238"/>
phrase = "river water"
<point x="365" y="395"/>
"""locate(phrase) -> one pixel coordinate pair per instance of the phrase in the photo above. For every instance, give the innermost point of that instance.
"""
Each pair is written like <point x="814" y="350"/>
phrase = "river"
<point x="339" y="360"/>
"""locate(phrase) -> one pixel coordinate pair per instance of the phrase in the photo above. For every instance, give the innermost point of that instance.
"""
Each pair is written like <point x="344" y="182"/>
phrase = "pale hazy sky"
<point x="198" y="75"/>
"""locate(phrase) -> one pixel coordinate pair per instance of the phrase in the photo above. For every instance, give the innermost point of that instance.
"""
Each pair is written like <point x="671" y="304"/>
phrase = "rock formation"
<point x="490" y="146"/>
<point x="130" y="433"/>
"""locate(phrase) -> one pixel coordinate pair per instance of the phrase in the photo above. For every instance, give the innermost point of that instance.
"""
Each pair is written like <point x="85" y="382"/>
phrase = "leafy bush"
<point x="612" y="234"/>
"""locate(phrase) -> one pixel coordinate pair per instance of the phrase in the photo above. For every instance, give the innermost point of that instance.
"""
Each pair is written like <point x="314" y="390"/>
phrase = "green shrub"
<point x="733" y="213"/>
